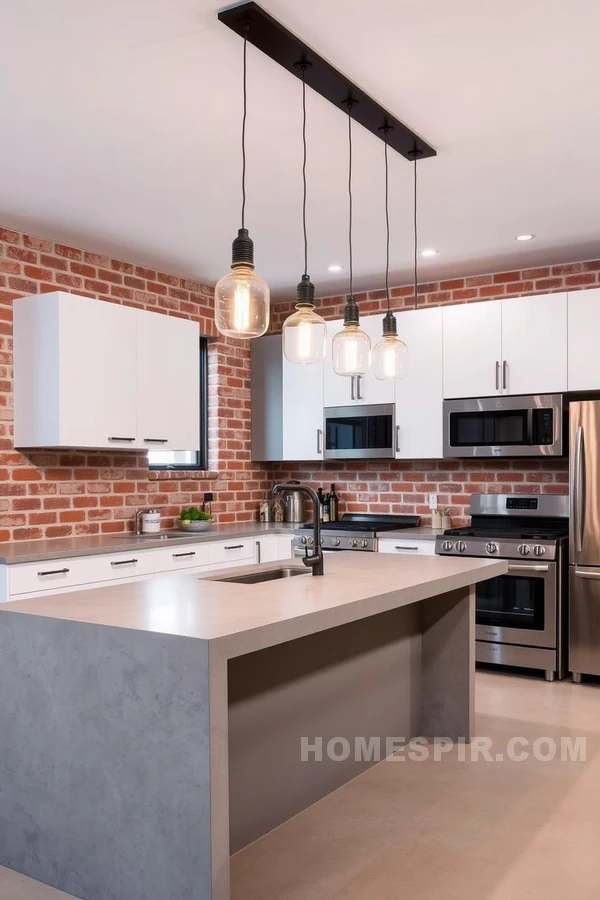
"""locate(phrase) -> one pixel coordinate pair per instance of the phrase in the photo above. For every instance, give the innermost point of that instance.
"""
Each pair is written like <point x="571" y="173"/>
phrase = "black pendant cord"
<point x="244" y="117"/>
<point x="387" y="224"/>
<point x="416" y="233"/>
<point x="350" y="209"/>
<point x="304" y="170"/>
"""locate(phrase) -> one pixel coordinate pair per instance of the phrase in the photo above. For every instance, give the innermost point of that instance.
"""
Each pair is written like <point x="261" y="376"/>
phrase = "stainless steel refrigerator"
<point x="584" y="539"/>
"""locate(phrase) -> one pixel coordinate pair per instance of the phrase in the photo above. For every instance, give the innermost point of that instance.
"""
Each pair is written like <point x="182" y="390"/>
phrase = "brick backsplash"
<point x="47" y="493"/>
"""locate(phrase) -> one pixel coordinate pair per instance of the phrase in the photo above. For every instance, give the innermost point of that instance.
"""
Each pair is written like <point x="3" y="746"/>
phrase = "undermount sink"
<point x="152" y="537"/>
<point x="258" y="577"/>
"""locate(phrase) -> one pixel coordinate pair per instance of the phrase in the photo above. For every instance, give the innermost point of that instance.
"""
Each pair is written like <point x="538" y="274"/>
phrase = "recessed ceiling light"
<point x="335" y="268"/>
<point x="524" y="237"/>
<point x="429" y="252"/>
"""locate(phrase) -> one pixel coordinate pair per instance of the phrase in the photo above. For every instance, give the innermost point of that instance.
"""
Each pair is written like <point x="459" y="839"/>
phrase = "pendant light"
<point x="242" y="298"/>
<point x="304" y="332"/>
<point x="390" y="356"/>
<point x="351" y="349"/>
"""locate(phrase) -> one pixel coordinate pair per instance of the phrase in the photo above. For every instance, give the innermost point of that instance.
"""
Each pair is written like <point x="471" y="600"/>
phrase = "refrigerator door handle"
<point x="576" y="491"/>
<point x="595" y="576"/>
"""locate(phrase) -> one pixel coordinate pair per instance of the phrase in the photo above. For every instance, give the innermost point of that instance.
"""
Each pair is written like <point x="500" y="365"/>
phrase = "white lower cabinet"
<point x="285" y="547"/>
<point x="121" y="565"/>
<point x="406" y="547"/>
<point x="53" y="576"/>
<point x="174" y="559"/>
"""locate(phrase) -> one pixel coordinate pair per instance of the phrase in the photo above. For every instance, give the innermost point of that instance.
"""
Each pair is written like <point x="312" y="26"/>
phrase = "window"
<point x="189" y="459"/>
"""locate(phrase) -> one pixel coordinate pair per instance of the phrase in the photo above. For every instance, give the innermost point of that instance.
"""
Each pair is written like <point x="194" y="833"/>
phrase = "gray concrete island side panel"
<point x="105" y="760"/>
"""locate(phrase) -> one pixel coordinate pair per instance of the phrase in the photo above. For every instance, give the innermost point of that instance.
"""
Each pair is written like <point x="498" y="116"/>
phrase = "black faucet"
<point x="315" y="560"/>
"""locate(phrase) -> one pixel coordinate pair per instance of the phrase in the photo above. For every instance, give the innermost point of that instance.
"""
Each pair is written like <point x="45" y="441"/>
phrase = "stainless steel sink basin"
<point x="259" y="577"/>
<point x="152" y="537"/>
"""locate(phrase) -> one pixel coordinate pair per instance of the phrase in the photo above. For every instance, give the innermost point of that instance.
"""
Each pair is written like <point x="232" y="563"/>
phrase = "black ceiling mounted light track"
<point x="270" y="36"/>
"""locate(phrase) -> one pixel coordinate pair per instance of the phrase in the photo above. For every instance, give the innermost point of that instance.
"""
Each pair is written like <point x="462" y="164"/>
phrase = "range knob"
<point x="539" y="550"/>
<point x="524" y="549"/>
<point x="303" y="539"/>
<point x="364" y="543"/>
<point x="447" y="546"/>
<point x="353" y="542"/>
<point x="461" y="546"/>
<point x="491" y="548"/>
<point x="310" y="541"/>
<point x="335" y="542"/>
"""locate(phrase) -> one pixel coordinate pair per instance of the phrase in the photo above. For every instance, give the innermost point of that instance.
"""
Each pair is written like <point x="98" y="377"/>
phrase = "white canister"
<point x="151" y="521"/>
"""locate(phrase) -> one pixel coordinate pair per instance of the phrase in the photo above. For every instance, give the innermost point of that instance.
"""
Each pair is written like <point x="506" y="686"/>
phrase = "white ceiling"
<point x="121" y="127"/>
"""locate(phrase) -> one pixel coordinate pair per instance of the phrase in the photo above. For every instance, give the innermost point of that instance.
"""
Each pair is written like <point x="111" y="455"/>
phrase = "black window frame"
<point x="201" y="463"/>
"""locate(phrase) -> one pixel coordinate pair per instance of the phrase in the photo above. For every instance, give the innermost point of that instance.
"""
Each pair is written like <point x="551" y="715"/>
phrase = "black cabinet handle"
<point x="123" y="439"/>
<point x="124" y="562"/>
<point x="156" y="440"/>
<point x="181" y="555"/>
<point x="55" y="572"/>
<point x="235" y="547"/>
<point x="406" y="548"/>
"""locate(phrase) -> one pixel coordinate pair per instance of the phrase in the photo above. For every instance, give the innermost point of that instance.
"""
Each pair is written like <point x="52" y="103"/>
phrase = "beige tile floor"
<point x="469" y="830"/>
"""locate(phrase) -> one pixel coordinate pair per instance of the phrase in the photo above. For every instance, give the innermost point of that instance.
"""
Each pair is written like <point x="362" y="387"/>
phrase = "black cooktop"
<point x="541" y="529"/>
<point x="364" y="522"/>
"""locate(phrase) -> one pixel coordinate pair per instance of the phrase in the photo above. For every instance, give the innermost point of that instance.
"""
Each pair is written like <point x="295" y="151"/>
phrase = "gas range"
<point x="354" y="531"/>
<point x="521" y="616"/>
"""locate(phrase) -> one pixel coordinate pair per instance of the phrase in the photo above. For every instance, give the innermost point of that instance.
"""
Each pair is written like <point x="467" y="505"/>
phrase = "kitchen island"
<point x="150" y="730"/>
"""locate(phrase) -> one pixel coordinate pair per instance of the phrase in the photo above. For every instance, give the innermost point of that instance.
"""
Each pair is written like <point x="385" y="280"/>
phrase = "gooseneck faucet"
<point x="315" y="560"/>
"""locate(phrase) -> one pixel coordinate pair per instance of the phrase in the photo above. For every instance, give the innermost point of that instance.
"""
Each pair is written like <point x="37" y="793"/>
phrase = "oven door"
<point x="520" y="607"/>
<point x="504" y="426"/>
<point x="360" y="432"/>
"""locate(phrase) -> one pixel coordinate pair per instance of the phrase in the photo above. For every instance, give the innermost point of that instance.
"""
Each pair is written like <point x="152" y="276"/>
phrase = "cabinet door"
<point x="419" y="395"/>
<point x="302" y="402"/>
<point x="472" y="342"/>
<point x="168" y="373"/>
<point x="584" y="326"/>
<point x="266" y="548"/>
<point x="534" y="344"/>
<point x="285" y="549"/>
<point x="339" y="390"/>
<point x="97" y="364"/>
<point x="370" y="389"/>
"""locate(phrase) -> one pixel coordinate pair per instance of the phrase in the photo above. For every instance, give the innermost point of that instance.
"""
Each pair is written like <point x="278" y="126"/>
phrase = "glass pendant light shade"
<point x="242" y="298"/>
<point x="305" y="332"/>
<point x="351" y="348"/>
<point x="390" y="356"/>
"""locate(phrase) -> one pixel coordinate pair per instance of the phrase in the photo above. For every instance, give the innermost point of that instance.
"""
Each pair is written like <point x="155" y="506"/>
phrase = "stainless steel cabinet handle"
<point x="55" y="572"/>
<point x="352" y="388"/>
<point x="529" y="568"/>
<point x="123" y="440"/>
<point x="504" y="375"/>
<point x="235" y="547"/>
<point x="407" y="548"/>
<point x="397" y="439"/>
<point x="577" y="489"/>
<point x="156" y="440"/>
<point x="497" y="375"/>
<point x="181" y="555"/>
<point x="359" y="396"/>
<point x="594" y="576"/>
<point x="319" y="440"/>
<point x="124" y="562"/>
<point x="257" y="551"/>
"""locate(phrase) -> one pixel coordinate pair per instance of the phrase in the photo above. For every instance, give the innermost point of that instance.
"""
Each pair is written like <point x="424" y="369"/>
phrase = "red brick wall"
<point x="402" y="487"/>
<point x="56" y="494"/>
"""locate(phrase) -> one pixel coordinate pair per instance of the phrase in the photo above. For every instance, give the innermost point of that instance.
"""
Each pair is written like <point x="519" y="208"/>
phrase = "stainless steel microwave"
<point x="504" y="426"/>
<point x="360" y="432"/>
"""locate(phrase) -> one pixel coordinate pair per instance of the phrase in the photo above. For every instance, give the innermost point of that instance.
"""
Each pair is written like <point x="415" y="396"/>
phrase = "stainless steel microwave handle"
<point x="319" y="440"/>
<point x="576" y="491"/>
<point x="359" y="396"/>
<point x="497" y="375"/>
<point x="515" y="568"/>
<point x="595" y="576"/>
<point x="352" y="388"/>
<point x="397" y="439"/>
<point x="504" y="374"/>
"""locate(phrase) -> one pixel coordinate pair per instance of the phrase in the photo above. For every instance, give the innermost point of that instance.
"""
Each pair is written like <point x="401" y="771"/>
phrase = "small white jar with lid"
<point x="151" y="521"/>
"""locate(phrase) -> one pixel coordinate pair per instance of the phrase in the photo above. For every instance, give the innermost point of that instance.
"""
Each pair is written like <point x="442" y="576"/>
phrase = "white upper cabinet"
<point x="168" y="379"/>
<point x="472" y="349"/>
<point x="534" y="344"/>
<point x="419" y="395"/>
<point x="80" y="381"/>
<point x="340" y="390"/>
<point x="584" y="327"/>
<point x="302" y="411"/>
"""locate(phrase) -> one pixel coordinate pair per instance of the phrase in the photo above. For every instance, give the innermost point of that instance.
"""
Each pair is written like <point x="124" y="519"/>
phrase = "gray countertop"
<point x="13" y="552"/>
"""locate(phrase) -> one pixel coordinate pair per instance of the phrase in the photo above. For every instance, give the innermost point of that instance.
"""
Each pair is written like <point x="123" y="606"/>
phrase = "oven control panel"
<point x="506" y="548"/>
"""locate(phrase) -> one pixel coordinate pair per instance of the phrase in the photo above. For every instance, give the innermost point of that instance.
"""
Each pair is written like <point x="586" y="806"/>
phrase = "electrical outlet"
<point x="433" y="501"/>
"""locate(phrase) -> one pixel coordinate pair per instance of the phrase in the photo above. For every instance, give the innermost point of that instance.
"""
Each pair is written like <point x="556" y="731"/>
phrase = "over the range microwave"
<point x="360" y="432"/>
<point x="532" y="425"/>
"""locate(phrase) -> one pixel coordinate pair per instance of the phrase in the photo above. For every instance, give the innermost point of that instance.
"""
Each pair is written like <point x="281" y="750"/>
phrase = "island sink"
<point x="259" y="577"/>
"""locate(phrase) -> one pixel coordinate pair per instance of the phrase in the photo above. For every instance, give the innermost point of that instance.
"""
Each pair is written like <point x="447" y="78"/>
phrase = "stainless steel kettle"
<point x="295" y="509"/>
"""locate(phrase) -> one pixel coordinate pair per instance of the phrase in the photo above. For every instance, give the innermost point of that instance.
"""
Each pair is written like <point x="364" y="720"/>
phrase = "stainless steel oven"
<point x="360" y="432"/>
<point x="504" y="426"/>
<point x="519" y="608"/>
